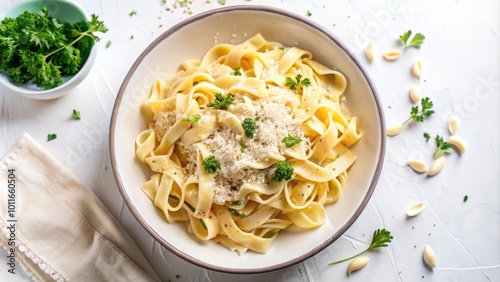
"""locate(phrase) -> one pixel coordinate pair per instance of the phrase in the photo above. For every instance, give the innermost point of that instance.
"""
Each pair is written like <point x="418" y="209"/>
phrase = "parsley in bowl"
<point x="45" y="51"/>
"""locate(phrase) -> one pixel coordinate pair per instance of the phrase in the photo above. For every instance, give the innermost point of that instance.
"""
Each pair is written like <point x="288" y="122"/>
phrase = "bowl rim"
<point x="70" y="83"/>
<point x="200" y="16"/>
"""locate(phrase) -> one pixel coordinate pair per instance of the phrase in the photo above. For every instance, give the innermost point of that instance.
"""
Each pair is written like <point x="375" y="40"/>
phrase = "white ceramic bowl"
<point x="66" y="11"/>
<point x="191" y="39"/>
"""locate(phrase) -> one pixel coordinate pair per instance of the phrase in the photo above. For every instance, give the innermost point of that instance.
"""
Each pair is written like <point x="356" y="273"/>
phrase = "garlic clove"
<point x="392" y="54"/>
<point x="415" y="94"/>
<point x="369" y="52"/>
<point x="458" y="143"/>
<point x="394" y="129"/>
<point x="437" y="166"/>
<point x="418" y="166"/>
<point x="415" y="209"/>
<point x="416" y="69"/>
<point x="429" y="257"/>
<point x="357" y="264"/>
<point x="453" y="125"/>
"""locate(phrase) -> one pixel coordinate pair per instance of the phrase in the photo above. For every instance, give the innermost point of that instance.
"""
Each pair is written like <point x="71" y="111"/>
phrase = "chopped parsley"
<point x="415" y="42"/>
<point x="237" y="71"/>
<point x="238" y="202"/>
<point x="133" y="13"/>
<point x="221" y="102"/>
<point x="294" y="84"/>
<point x="192" y="118"/>
<point x="249" y="126"/>
<point x="283" y="171"/>
<point x="420" y="115"/>
<point x="442" y="147"/>
<point x="51" y="137"/>
<point x="427" y="136"/>
<point x="466" y="198"/>
<point x="210" y="164"/>
<point x="242" y="149"/>
<point x="291" y="141"/>
<point x="108" y="44"/>
<point x="235" y="212"/>
<point x="37" y="47"/>
<point x="309" y="13"/>
<point x="282" y="48"/>
<point x="76" y="114"/>
<point x="381" y="238"/>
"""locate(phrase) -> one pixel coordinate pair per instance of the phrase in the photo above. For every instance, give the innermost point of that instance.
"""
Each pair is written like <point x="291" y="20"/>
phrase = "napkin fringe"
<point x="33" y="257"/>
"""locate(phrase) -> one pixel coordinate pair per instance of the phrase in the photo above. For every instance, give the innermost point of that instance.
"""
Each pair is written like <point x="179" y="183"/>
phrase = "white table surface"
<point x="461" y="59"/>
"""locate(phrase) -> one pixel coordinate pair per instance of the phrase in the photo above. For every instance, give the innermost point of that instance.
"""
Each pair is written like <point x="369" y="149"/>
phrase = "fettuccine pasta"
<point x="246" y="142"/>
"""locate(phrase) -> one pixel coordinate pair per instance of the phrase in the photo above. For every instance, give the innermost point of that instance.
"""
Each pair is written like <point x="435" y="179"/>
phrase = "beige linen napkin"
<point x="56" y="228"/>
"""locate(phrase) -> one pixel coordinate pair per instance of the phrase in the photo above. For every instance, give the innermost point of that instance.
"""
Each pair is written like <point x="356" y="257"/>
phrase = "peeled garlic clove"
<point x="369" y="52"/>
<point x="415" y="94"/>
<point x="429" y="257"/>
<point x="418" y="166"/>
<point x="416" y="69"/>
<point x="437" y="166"/>
<point x="453" y="125"/>
<point x="458" y="143"/>
<point x="357" y="264"/>
<point x="392" y="54"/>
<point x="394" y="129"/>
<point x="415" y="209"/>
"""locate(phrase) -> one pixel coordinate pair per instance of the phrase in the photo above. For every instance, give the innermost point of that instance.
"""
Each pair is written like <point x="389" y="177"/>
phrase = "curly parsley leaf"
<point x="381" y="238"/>
<point x="442" y="147"/>
<point x="221" y="102"/>
<point x="415" y="42"/>
<point x="298" y="82"/>
<point x="237" y="71"/>
<point x="76" y="114"/>
<point x="211" y="164"/>
<point x="249" y="126"/>
<point x="419" y="115"/>
<point x="51" y="137"/>
<point x="283" y="171"/>
<point x="427" y="136"/>
<point x="192" y="118"/>
<point x="291" y="141"/>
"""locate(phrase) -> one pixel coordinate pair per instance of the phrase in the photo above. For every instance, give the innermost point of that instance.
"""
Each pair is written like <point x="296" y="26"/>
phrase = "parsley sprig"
<point x="250" y="127"/>
<point x="39" y="48"/>
<point x="237" y="71"/>
<point x="298" y="82"/>
<point x="427" y="136"/>
<point x="192" y="118"/>
<point x="419" y="115"/>
<point x="442" y="147"/>
<point x="381" y="238"/>
<point x="76" y="115"/>
<point x="283" y="171"/>
<point x="291" y="141"/>
<point x="415" y="42"/>
<point x="222" y="102"/>
<point x="211" y="164"/>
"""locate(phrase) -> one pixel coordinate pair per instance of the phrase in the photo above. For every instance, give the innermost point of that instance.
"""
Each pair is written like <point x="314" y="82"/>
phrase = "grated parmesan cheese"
<point x="274" y="120"/>
<point x="163" y="122"/>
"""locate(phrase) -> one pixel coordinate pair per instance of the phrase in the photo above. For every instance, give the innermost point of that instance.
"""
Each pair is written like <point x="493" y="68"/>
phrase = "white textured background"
<point x="461" y="57"/>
